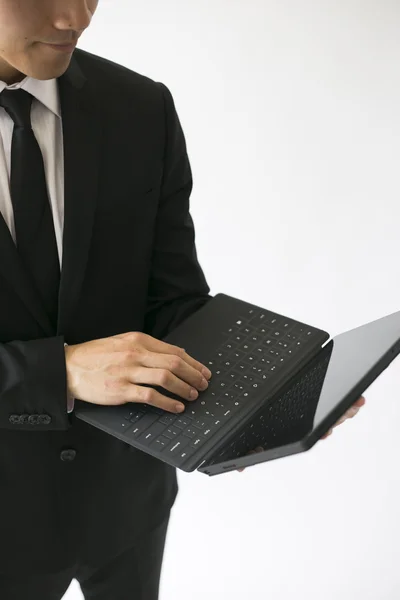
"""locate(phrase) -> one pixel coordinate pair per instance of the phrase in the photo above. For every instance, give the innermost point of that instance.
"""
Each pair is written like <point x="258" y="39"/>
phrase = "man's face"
<point x="27" y="27"/>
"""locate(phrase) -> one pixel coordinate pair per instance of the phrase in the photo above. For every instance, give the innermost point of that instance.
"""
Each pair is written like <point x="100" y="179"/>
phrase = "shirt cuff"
<point x="70" y="399"/>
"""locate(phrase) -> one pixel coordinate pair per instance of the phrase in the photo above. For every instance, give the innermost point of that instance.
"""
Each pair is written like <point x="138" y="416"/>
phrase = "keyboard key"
<point x="255" y="338"/>
<point x="182" y="422"/>
<point x="190" y="432"/>
<point x="201" y="423"/>
<point x="239" y="338"/>
<point x="227" y="365"/>
<point x="251" y="359"/>
<point x="229" y="395"/>
<point x="232" y="376"/>
<point x="160" y="443"/>
<point x="244" y="397"/>
<point x="135" y="417"/>
<point x="167" y="419"/>
<point x="283" y="343"/>
<point x="305" y="334"/>
<point x="197" y="442"/>
<point x="258" y="320"/>
<point x="136" y="430"/>
<point x="148" y="419"/>
<point x="237" y="355"/>
<point x="291" y="336"/>
<point x="239" y="386"/>
<point x="190" y="417"/>
<point x="131" y="414"/>
<point x="210" y="413"/>
<point x="177" y="446"/>
<point x="264" y="361"/>
<point x="172" y="432"/>
<point x="230" y="347"/>
<point x="121" y="425"/>
<point x="248" y="378"/>
<point x="187" y="452"/>
<point x="151" y="433"/>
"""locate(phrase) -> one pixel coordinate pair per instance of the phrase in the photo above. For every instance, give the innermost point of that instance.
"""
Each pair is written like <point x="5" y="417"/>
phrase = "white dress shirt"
<point x="47" y="127"/>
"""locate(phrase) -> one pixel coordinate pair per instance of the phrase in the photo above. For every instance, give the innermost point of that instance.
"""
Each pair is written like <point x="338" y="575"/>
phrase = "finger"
<point x="163" y="378"/>
<point x="349" y="414"/>
<point x="256" y="450"/>
<point x="352" y="412"/>
<point x="177" y="366"/>
<point x="327" y="434"/>
<point x="341" y="420"/>
<point x="147" y="395"/>
<point x="360" y="402"/>
<point x="161" y="347"/>
<point x="242" y="469"/>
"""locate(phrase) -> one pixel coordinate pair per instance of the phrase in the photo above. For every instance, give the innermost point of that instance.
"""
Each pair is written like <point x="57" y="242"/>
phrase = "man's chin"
<point x="54" y="73"/>
<point x="47" y="63"/>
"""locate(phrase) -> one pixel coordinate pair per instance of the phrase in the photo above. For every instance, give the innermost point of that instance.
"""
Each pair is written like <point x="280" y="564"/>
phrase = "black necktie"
<point x="34" y="227"/>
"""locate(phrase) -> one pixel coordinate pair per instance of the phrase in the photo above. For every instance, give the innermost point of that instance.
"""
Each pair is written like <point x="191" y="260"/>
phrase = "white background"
<point x="290" y="110"/>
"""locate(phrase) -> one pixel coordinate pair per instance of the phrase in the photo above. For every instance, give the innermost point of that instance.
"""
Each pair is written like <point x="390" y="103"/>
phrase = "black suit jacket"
<point x="129" y="264"/>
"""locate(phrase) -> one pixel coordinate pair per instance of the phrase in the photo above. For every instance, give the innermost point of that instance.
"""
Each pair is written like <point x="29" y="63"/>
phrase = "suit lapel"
<point x="82" y="141"/>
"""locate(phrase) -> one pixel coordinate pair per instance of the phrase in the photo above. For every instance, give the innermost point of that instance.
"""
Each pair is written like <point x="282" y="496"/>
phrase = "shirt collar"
<point x="44" y="91"/>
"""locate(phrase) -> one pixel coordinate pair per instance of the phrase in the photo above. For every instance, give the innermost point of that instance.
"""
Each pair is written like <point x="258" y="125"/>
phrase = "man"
<point x="94" y="176"/>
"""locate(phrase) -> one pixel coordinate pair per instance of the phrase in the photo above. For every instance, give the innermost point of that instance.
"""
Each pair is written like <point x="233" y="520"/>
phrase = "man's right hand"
<point x="111" y="371"/>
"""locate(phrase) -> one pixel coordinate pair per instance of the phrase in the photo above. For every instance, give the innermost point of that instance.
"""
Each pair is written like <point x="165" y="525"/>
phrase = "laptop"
<point x="276" y="382"/>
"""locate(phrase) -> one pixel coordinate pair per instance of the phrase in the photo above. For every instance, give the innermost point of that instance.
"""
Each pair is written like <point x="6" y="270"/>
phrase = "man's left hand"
<point x="349" y="414"/>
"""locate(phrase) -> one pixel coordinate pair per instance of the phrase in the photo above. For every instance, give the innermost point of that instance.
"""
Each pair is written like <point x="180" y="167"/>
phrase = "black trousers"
<point x="133" y="575"/>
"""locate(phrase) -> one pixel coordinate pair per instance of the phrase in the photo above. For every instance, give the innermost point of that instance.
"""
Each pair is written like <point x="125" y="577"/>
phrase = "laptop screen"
<point x="351" y="357"/>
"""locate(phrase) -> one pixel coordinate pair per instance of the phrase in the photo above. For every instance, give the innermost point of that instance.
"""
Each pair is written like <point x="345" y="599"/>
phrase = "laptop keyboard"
<point x="287" y="419"/>
<point x="254" y="349"/>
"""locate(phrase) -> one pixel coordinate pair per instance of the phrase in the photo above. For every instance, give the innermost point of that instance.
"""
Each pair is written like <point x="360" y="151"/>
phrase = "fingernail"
<point x="206" y="372"/>
<point x="204" y="384"/>
<point x="179" y="407"/>
<point x="194" y="394"/>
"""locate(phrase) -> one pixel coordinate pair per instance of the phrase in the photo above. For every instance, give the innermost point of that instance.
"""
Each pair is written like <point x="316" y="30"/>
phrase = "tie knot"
<point x="18" y="105"/>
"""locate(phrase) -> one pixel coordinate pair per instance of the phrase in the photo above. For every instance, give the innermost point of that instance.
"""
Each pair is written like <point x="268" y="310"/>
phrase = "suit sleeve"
<point x="177" y="287"/>
<point x="33" y="385"/>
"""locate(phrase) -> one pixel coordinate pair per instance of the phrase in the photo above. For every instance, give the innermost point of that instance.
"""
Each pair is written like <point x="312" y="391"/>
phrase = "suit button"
<point x="68" y="455"/>
<point x="24" y="419"/>
<point x="33" y="419"/>
<point x="14" y="419"/>
<point x="44" y="419"/>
